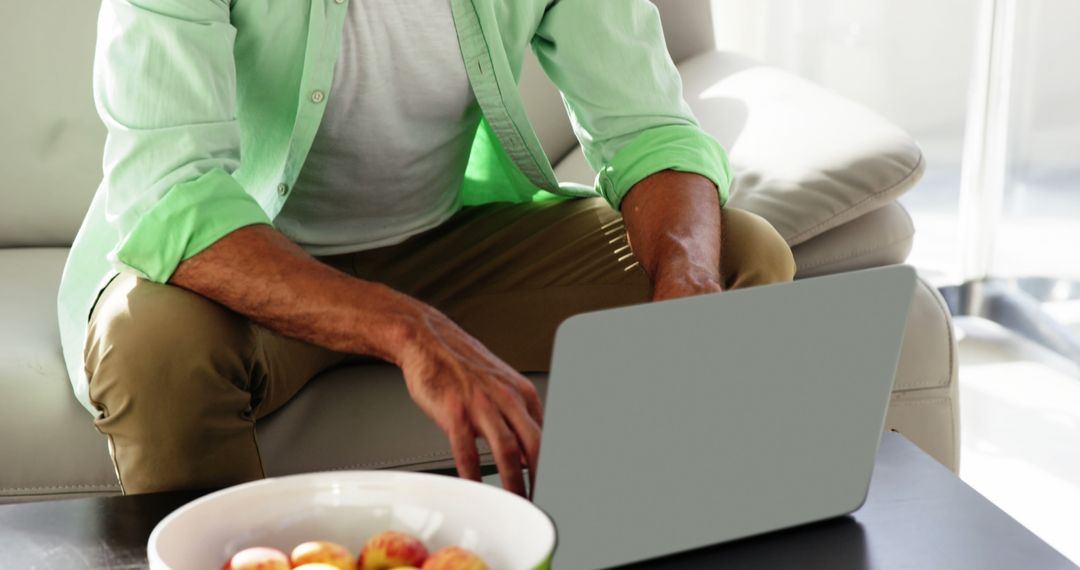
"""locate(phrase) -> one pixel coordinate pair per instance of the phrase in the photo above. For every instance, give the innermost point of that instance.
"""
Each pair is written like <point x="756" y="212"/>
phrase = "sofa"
<point x="824" y="170"/>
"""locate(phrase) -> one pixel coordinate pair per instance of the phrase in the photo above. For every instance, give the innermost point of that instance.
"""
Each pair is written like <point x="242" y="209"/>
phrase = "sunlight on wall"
<point x="911" y="61"/>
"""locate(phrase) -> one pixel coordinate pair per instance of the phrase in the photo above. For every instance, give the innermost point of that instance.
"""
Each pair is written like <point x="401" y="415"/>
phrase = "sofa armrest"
<point x="881" y="237"/>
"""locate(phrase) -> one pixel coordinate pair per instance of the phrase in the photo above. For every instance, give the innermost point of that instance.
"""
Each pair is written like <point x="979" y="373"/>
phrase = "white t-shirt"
<point x="390" y="154"/>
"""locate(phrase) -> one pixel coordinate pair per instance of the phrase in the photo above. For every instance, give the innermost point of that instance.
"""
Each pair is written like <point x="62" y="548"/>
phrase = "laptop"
<point x="682" y="424"/>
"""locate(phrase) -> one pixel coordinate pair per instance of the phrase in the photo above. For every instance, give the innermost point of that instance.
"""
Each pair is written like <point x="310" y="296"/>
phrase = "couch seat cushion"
<point x="358" y="416"/>
<point x="47" y="440"/>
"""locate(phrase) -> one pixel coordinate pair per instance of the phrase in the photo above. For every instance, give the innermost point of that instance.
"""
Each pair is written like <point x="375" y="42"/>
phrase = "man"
<point x="288" y="184"/>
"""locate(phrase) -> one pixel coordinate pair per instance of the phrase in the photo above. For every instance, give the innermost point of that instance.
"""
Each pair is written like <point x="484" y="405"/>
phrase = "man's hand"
<point x="674" y="226"/>
<point x="470" y="392"/>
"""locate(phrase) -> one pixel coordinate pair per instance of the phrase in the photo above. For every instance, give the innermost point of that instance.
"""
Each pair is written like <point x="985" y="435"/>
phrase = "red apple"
<point x="258" y="558"/>
<point x="454" y="558"/>
<point x="325" y="552"/>
<point x="391" y="549"/>
<point x="315" y="566"/>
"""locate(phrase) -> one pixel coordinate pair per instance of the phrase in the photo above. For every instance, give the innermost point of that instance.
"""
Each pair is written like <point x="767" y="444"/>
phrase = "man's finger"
<point x="504" y="446"/>
<point x="528" y="436"/>
<point x="463" y="446"/>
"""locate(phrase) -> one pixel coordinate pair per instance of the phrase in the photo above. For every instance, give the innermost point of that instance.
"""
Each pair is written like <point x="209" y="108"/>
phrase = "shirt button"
<point x="282" y="189"/>
<point x="317" y="96"/>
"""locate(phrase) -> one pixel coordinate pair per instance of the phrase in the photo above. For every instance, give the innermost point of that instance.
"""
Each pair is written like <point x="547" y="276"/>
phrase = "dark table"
<point x="918" y="516"/>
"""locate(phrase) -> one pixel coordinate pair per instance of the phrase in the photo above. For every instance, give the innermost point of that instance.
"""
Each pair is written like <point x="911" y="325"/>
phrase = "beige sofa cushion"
<point x="48" y="444"/>
<point x="51" y="138"/>
<point x="805" y="159"/>
<point x="882" y="237"/>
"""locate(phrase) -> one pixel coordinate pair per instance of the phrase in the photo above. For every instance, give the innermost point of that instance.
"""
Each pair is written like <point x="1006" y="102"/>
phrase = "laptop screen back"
<point x="677" y="425"/>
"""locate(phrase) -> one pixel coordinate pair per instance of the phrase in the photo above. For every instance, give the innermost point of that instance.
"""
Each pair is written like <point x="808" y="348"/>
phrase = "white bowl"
<point x="348" y="507"/>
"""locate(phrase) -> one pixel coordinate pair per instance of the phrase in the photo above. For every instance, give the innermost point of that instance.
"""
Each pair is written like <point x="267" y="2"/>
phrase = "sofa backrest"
<point x="51" y="138"/>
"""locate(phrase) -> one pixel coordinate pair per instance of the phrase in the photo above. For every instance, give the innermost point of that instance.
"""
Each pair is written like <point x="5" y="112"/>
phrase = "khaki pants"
<point x="180" y="380"/>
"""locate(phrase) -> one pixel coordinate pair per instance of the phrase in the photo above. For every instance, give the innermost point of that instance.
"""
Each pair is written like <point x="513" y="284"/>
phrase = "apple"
<point x="391" y="549"/>
<point x="325" y="552"/>
<point x="258" y="558"/>
<point x="454" y="558"/>
<point x="315" y="566"/>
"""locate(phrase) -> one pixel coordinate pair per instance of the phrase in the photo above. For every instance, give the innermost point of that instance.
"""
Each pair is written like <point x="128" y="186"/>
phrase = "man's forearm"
<point x="257" y="272"/>
<point x="468" y="391"/>
<point x="674" y="225"/>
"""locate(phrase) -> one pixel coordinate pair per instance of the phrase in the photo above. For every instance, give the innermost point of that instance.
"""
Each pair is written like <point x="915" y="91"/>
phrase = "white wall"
<point x="911" y="60"/>
<point x="1046" y="115"/>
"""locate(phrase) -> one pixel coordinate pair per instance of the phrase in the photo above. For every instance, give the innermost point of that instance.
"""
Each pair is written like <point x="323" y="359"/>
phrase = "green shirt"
<point x="212" y="105"/>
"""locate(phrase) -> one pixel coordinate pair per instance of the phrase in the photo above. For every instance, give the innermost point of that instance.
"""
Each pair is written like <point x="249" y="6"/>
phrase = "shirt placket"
<point x="495" y="96"/>
<point x="327" y="20"/>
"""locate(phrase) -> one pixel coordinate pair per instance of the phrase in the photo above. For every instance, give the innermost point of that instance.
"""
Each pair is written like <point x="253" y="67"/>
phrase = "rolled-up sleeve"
<point x="624" y="94"/>
<point x="165" y="87"/>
